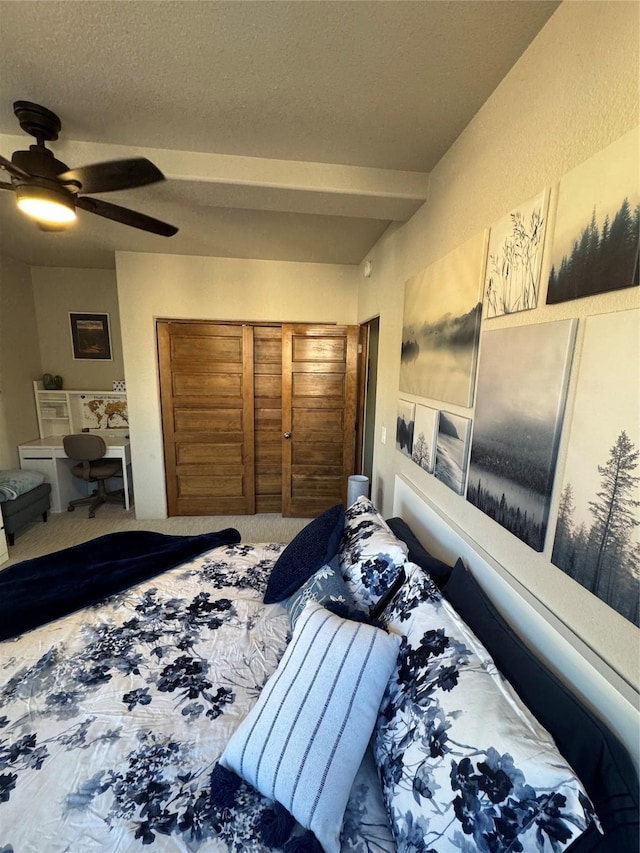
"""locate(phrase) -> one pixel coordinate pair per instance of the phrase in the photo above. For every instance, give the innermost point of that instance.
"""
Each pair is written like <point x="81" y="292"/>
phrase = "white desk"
<point x="47" y="455"/>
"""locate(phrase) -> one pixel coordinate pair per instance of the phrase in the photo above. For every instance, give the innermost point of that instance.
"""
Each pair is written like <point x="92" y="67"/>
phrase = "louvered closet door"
<point x="206" y="385"/>
<point x="319" y="390"/>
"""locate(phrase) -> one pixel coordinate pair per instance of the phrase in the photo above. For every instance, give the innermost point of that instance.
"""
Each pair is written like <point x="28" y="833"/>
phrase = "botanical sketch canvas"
<point x="522" y="382"/>
<point x="441" y="327"/>
<point x="405" y="426"/>
<point x="452" y="451"/>
<point x="597" y="539"/>
<point x="424" y="437"/>
<point x="597" y="228"/>
<point x="512" y="279"/>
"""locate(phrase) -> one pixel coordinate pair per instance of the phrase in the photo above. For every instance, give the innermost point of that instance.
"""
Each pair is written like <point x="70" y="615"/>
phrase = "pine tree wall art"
<point x="405" y="424"/>
<point x="597" y="539"/>
<point x="597" y="228"/>
<point x="521" y="394"/>
<point x="512" y="278"/>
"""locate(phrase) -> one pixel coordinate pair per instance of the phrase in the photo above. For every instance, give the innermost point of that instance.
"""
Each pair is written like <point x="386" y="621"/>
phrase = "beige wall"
<point x="177" y="286"/>
<point x="573" y="92"/>
<point x="57" y="291"/>
<point x="19" y="360"/>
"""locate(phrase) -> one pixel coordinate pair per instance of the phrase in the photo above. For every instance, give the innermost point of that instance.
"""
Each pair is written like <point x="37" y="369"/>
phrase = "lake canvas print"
<point x="521" y="394"/>
<point x="597" y="540"/>
<point x="441" y="325"/>
<point x="452" y="451"/>
<point x="597" y="229"/>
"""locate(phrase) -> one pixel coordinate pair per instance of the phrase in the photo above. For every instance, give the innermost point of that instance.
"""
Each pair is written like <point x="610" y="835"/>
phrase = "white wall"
<point x="574" y="91"/>
<point x="19" y="360"/>
<point x="57" y="291"/>
<point x="182" y="287"/>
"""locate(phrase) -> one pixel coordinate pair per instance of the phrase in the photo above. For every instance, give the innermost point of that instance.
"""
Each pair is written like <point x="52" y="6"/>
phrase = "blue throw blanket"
<point x="43" y="589"/>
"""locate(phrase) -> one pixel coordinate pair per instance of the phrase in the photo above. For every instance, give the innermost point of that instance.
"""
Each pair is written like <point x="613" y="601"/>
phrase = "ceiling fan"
<point x="50" y="192"/>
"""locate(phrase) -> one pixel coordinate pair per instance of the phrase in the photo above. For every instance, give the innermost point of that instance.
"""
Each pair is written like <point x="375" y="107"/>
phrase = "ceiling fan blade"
<point x="114" y="175"/>
<point x="126" y="216"/>
<point x="16" y="171"/>
<point x="5" y="186"/>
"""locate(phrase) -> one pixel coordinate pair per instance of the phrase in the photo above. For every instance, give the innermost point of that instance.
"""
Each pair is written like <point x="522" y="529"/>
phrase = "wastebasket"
<point x="358" y="485"/>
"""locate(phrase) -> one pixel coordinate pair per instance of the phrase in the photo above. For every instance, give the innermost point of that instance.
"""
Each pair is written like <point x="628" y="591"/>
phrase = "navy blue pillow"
<point x="311" y="549"/>
<point x="438" y="571"/>
<point x="600" y="761"/>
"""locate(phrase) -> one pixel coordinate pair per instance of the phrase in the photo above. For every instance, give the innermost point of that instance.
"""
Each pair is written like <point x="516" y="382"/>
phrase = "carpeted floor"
<point x="70" y="528"/>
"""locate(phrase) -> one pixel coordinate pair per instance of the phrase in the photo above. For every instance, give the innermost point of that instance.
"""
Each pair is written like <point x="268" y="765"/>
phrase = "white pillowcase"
<point x="303" y="741"/>
<point x="461" y="758"/>
<point x="370" y="555"/>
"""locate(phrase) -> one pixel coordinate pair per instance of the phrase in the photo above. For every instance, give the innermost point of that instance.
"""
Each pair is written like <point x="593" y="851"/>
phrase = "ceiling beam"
<point x="229" y="180"/>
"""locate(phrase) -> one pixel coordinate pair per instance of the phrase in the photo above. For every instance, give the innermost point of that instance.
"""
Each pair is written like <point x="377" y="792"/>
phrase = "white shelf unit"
<point x="62" y="412"/>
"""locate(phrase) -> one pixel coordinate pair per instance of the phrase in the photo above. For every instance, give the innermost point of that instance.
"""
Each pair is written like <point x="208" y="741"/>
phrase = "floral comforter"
<point x="112" y="718"/>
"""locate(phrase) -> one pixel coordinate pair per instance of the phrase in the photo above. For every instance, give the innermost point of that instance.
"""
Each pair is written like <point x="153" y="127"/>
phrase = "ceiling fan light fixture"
<point x="46" y="204"/>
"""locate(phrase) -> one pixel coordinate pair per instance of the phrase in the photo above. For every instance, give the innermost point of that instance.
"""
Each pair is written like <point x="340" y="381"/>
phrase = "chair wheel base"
<point x="70" y="509"/>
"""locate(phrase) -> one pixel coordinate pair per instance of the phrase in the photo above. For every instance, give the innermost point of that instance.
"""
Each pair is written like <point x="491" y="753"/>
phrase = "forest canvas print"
<point x="512" y="279"/>
<point x="405" y="427"/>
<point x="424" y="438"/>
<point x="597" y="540"/>
<point x="452" y="451"/>
<point x="441" y="326"/>
<point x="597" y="229"/>
<point x="521" y="394"/>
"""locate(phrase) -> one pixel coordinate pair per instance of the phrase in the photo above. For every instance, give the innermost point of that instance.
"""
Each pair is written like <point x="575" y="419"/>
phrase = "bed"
<point x="347" y="691"/>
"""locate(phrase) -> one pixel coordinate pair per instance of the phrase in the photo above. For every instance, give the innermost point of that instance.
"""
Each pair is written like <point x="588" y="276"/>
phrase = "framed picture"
<point x="90" y="336"/>
<point x="404" y="427"/>
<point x="441" y="325"/>
<point x="452" y="451"/>
<point x="596" y="235"/>
<point x="424" y="438"/>
<point x="512" y="278"/>
<point x="518" y="419"/>
<point x="597" y="538"/>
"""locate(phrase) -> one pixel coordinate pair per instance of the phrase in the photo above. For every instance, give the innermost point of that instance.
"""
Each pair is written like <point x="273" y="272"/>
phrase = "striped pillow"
<point x="303" y="741"/>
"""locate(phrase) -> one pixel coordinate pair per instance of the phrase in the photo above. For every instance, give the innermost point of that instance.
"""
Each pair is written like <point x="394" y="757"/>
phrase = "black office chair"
<point x="89" y="450"/>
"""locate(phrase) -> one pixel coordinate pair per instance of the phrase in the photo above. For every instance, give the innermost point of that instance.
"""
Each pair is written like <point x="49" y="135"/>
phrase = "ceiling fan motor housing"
<point x="39" y="162"/>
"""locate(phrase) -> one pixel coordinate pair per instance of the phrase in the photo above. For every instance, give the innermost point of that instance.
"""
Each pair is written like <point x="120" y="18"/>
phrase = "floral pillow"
<point x="464" y="764"/>
<point x="370" y="555"/>
<point x="326" y="587"/>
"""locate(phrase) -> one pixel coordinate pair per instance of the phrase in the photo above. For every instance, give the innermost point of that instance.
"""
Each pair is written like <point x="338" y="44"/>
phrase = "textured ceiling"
<point x="291" y="129"/>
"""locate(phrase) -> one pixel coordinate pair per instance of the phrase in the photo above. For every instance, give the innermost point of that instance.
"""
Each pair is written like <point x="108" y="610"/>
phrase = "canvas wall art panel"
<point x="452" y="450"/>
<point x="522" y="383"/>
<point x="405" y="427"/>
<point x="441" y="325"/>
<point x="424" y="437"/>
<point x="597" y="538"/>
<point x="516" y="242"/>
<point x="597" y="227"/>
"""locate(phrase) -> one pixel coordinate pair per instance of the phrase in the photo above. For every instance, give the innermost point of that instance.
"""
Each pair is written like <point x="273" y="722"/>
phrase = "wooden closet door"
<point x="267" y="377"/>
<point x="206" y="387"/>
<point x="319" y="391"/>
